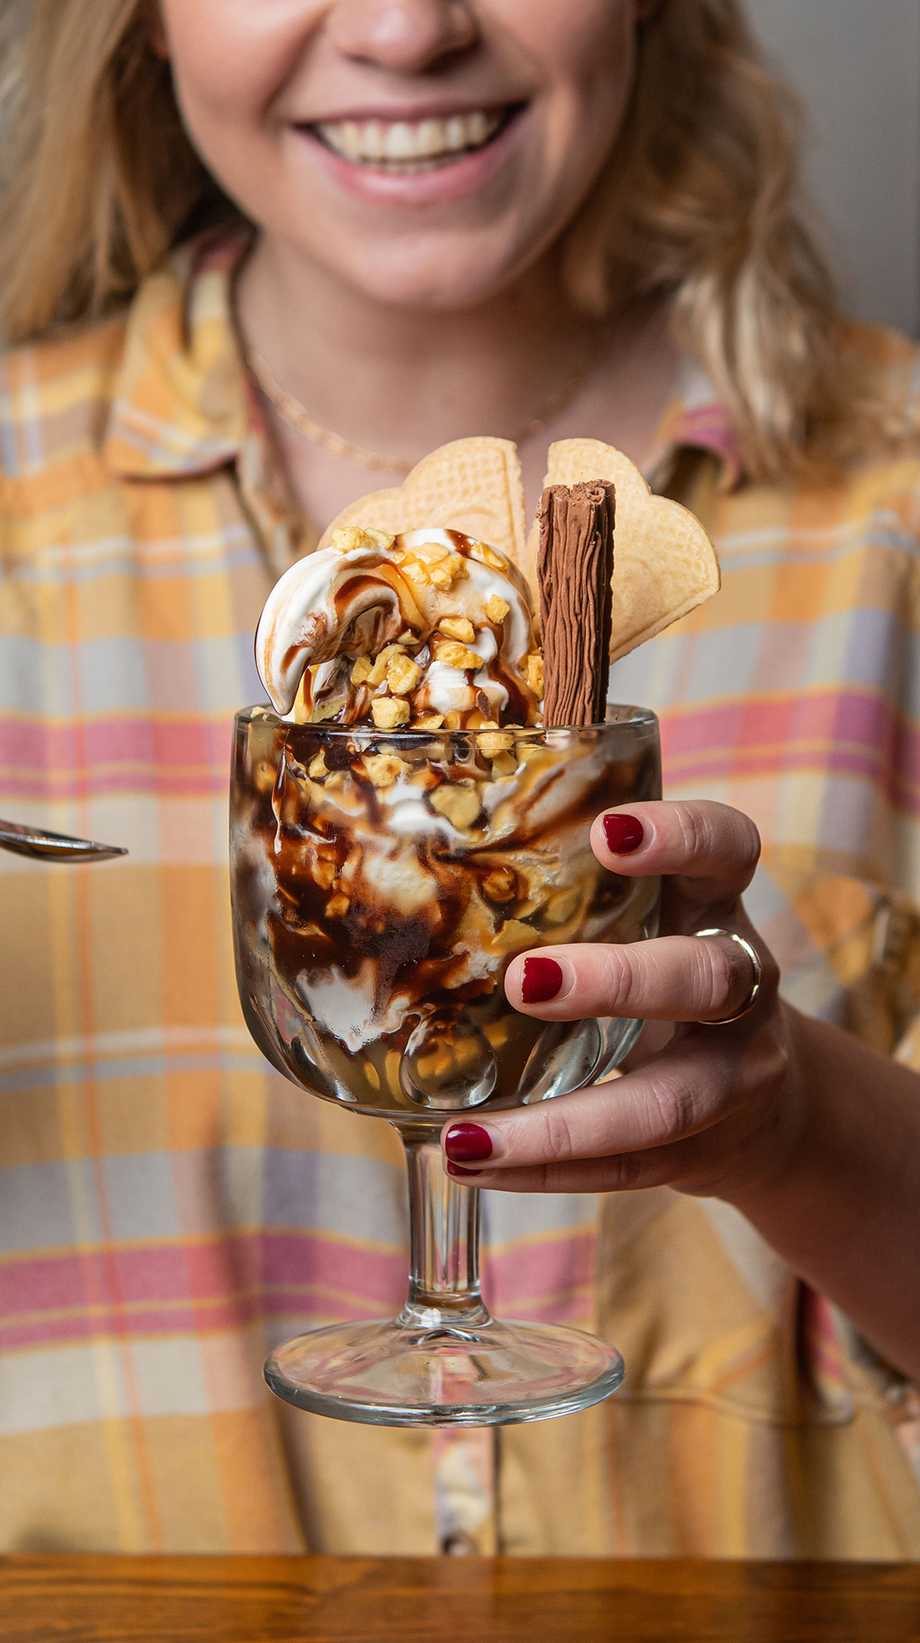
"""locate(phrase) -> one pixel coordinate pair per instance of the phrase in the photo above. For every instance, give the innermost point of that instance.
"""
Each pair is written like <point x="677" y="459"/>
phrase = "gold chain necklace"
<point x="346" y="450"/>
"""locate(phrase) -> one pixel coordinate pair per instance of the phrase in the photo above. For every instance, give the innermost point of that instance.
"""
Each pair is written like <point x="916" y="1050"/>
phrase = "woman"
<point x="256" y="259"/>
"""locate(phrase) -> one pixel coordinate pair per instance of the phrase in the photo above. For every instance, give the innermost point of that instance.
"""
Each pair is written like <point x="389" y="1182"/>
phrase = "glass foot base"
<point x="487" y="1374"/>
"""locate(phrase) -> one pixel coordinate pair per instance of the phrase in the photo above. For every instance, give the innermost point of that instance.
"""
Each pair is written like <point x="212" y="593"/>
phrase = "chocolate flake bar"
<point x="575" y="575"/>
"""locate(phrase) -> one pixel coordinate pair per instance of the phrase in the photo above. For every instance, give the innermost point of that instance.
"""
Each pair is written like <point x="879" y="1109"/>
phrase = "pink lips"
<point x="458" y="178"/>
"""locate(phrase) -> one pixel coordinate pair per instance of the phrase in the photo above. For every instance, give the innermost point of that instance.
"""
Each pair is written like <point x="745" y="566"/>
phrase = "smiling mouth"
<point x="406" y="147"/>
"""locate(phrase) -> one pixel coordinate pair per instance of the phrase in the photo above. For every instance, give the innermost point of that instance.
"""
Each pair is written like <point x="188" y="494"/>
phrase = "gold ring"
<point x="756" y="968"/>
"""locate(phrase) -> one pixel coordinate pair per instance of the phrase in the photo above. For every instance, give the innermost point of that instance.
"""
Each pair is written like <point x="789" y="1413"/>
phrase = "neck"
<point x="438" y="370"/>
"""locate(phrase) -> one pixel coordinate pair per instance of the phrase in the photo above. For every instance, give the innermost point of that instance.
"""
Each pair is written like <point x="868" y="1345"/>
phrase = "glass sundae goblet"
<point x="381" y="884"/>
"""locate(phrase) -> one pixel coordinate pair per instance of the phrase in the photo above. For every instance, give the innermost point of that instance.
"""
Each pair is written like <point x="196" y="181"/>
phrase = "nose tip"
<point x="403" y="34"/>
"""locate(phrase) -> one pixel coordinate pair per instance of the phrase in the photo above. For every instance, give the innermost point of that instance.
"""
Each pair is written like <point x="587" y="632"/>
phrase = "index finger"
<point x="711" y="849"/>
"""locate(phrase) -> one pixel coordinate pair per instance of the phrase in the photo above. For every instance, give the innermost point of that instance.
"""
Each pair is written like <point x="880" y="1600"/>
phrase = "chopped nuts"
<point x="458" y="627"/>
<point x="431" y="721"/>
<point x="529" y="907"/>
<point x="313" y="932"/>
<point x="435" y="1064"/>
<point x="361" y="671"/>
<point x="443" y="577"/>
<point x="389" y="712"/>
<point x="392" y="1064"/>
<point x="466" y="1051"/>
<point x="460" y="805"/>
<point x="453" y="721"/>
<point x="445" y="1058"/>
<point x="513" y="936"/>
<point x="500" y="884"/>
<point x="431" y="562"/>
<point x="384" y="769"/>
<point x="350" y="537"/>
<point x="533" y="673"/>
<point x="493" y="742"/>
<point x="317" y="768"/>
<point x="459" y="656"/>
<point x="504" y="765"/>
<point x="561" y="906"/>
<point x="497" y="608"/>
<point x="379" y="668"/>
<point x="403" y="674"/>
<point x="337" y="906"/>
<point x="324" y="873"/>
<point x="488" y="556"/>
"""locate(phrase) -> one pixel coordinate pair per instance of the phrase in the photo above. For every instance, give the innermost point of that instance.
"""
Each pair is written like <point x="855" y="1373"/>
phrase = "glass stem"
<point x="444" y="1233"/>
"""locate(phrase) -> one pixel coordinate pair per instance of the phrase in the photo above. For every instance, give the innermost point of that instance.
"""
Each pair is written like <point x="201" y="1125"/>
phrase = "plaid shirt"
<point x="170" y="1207"/>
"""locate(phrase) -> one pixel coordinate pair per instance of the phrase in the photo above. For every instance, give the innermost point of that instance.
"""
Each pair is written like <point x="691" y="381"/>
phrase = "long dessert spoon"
<point x="46" y="846"/>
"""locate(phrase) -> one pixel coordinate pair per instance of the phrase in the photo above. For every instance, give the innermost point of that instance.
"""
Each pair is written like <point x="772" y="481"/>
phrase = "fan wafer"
<point x="471" y="485"/>
<point x="665" y="562"/>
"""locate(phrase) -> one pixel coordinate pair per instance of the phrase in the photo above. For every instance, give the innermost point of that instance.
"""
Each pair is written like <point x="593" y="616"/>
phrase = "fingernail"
<point x="624" y="834"/>
<point x="467" y="1144"/>
<point x="542" y="980"/>
<point x="460" y="1173"/>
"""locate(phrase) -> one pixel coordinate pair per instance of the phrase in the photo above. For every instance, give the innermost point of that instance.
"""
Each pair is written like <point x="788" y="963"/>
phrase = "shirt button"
<point x="459" y="1545"/>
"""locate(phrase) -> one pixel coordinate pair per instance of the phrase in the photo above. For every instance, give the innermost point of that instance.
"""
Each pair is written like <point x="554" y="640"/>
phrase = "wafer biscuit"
<point x="665" y="563"/>
<point x="471" y="485"/>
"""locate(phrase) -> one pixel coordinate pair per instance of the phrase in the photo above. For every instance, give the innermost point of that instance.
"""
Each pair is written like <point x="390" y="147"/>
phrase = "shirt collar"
<point x="180" y="400"/>
<point x="182" y="404"/>
<point x="697" y="419"/>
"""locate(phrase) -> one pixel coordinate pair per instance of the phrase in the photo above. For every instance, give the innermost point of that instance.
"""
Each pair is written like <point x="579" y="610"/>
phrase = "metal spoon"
<point x="45" y="846"/>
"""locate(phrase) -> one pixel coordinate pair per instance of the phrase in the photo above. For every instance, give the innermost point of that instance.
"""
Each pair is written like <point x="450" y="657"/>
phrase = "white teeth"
<point x="399" y="142"/>
<point x="373" y="142"/>
<point x="404" y="143"/>
<point x="479" y="126"/>
<point x="350" y="136"/>
<point x="428" y="137"/>
<point x="455" y="133"/>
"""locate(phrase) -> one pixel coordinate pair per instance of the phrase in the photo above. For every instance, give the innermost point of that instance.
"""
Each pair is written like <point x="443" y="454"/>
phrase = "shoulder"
<point x="58" y="396"/>
<point x="891" y="359"/>
<point x="55" y="400"/>
<point x="869" y="493"/>
<point x="883" y="475"/>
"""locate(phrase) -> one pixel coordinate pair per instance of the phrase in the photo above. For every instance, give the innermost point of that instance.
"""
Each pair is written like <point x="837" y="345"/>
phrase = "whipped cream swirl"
<point x="369" y="590"/>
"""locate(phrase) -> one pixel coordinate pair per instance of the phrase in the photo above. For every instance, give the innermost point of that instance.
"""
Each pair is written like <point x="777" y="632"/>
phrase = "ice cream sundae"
<point x="415" y="808"/>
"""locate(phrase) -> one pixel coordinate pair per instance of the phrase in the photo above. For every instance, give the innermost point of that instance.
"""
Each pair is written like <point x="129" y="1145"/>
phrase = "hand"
<point x="706" y="1110"/>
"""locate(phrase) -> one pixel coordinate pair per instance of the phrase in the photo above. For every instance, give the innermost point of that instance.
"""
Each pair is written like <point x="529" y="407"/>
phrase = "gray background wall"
<point x="857" y="65"/>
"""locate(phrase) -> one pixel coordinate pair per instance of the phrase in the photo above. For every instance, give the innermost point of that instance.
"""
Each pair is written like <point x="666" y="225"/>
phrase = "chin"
<point x="448" y="279"/>
<point x="435" y="294"/>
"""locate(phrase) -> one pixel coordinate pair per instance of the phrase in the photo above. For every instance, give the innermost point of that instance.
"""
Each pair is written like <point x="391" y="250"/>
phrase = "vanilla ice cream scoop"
<point x="458" y="611"/>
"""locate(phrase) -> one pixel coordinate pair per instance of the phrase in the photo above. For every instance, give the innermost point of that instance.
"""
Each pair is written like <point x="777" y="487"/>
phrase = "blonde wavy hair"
<point x="699" y="202"/>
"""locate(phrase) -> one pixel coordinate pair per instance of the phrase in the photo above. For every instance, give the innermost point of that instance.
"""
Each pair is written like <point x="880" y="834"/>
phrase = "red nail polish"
<point x="624" y="834"/>
<point x="461" y="1173"/>
<point x="467" y="1144"/>
<point x="541" y="981"/>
